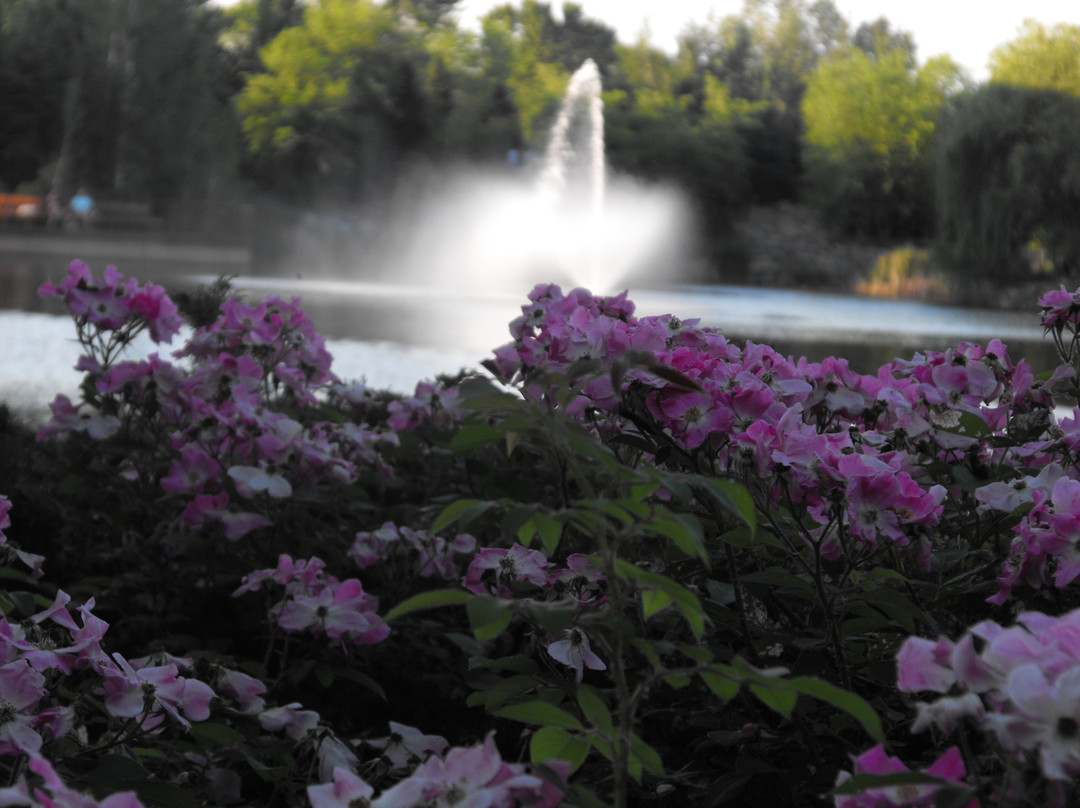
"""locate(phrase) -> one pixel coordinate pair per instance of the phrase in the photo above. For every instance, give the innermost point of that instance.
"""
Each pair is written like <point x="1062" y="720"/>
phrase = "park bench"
<point x="125" y="215"/>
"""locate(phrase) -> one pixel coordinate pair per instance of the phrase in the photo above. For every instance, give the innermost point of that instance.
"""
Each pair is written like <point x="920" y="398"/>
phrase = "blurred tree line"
<point x="326" y="101"/>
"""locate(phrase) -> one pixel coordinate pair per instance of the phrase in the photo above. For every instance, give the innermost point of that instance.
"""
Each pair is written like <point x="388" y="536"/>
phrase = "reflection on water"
<point x="867" y="331"/>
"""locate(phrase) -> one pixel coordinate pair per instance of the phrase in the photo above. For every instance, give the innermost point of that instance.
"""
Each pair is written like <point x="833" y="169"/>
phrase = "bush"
<point x="651" y="562"/>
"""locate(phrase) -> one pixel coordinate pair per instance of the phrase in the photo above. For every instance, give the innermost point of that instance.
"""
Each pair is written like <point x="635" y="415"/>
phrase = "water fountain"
<point x="564" y="221"/>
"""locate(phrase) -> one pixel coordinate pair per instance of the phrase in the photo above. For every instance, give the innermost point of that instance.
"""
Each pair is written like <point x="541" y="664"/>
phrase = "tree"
<point x="179" y="140"/>
<point x="342" y="100"/>
<point x="869" y="135"/>
<point x="878" y="38"/>
<point x="1009" y="180"/>
<point x="1040" y="58"/>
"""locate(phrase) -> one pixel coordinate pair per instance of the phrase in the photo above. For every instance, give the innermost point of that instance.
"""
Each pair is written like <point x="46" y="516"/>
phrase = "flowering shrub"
<point x="650" y="564"/>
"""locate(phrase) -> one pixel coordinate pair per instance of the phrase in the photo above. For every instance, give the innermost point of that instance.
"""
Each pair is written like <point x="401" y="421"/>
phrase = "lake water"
<point x="868" y="331"/>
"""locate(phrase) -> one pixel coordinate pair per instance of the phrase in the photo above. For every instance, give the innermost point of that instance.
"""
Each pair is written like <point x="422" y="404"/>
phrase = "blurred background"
<point x="394" y="145"/>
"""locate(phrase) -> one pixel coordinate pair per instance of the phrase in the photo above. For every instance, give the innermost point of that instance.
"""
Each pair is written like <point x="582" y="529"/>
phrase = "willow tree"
<point x="1009" y="182"/>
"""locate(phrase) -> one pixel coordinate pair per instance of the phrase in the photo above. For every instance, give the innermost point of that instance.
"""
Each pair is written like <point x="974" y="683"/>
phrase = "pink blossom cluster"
<point x="949" y="767"/>
<point x="319" y="603"/>
<point x="112" y="304"/>
<point x="431" y="404"/>
<point x="233" y="445"/>
<point x="150" y="693"/>
<point x="32" y="560"/>
<point x="501" y="571"/>
<point x="53" y="792"/>
<point x="1047" y="535"/>
<point x="846" y="448"/>
<point x="1060" y="309"/>
<point x="471" y="776"/>
<point x="435" y="553"/>
<point x="1021" y="684"/>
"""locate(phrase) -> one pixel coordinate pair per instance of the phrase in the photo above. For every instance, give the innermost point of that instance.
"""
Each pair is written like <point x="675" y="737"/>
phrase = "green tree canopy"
<point x="869" y="134"/>
<point x="1040" y="58"/>
<point x="342" y="96"/>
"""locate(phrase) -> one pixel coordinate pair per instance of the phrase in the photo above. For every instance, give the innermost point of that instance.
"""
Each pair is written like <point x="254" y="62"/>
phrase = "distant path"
<point x="134" y="248"/>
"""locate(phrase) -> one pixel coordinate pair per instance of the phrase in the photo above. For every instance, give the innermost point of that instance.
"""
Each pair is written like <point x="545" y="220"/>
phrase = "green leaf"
<point x="473" y="435"/>
<point x="111" y="769"/>
<point x="552" y="743"/>
<point x="594" y="709"/>
<point x="852" y="704"/>
<point x="724" y="687"/>
<point x="653" y="600"/>
<point x="859" y="783"/>
<point x="684" y="599"/>
<point x="453" y="512"/>
<point x="685" y="530"/>
<point x="779" y="697"/>
<point x="503" y="691"/>
<point x="489" y="616"/>
<point x="540" y="712"/>
<point x="217" y="734"/>
<point x="155" y="794"/>
<point x="429" y="600"/>
<point x="648" y="756"/>
<point x="518" y="664"/>
<point x="733" y="498"/>
<point x="550" y="530"/>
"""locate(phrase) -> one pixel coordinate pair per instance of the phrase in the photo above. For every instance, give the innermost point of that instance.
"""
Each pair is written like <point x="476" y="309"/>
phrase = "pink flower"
<point x="294" y="721"/>
<point x="191" y="472"/>
<point x="346" y="790"/>
<point x="408" y="745"/>
<point x="573" y="650"/>
<point x="517" y="564"/>
<point x="949" y="767"/>
<point x="925" y="665"/>
<point x="21" y="688"/>
<point x="130" y="693"/>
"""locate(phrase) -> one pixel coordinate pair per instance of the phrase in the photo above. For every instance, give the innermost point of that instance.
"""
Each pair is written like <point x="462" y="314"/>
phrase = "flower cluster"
<point x="1022" y="684"/>
<point x="234" y="417"/>
<point x="435" y="554"/>
<point x="320" y="603"/>
<point x="949" y="767"/>
<point x="114" y="304"/>
<point x="475" y="776"/>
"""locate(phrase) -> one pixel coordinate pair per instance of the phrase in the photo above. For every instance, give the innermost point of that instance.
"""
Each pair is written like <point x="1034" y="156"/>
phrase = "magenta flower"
<point x="949" y="767"/>
<point x="21" y="688"/>
<point x="335" y="611"/>
<point x="130" y="693"/>
<point x="291" y="719"/>
<point x="407" y="745"/>
<point x="503" y="567"/>
<point x="346" y="791"/>
<point x="191" y="472"/>
<point x="573" y="650"/>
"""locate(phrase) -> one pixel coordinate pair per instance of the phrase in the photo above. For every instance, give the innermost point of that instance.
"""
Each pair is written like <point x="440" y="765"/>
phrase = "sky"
<point x="968" y="30"/>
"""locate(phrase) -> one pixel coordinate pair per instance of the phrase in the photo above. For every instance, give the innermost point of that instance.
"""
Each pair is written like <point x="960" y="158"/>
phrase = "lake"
<point x="867" y="331"/>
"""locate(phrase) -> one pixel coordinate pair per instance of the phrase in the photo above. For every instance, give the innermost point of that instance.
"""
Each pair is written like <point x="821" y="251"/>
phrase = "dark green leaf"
<point x="540" y="712"/>
<point x="428" y="600"/>
<point x="553" y="743"/>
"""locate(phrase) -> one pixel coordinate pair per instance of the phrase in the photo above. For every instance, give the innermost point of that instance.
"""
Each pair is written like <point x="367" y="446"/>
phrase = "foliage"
<point x="1039" y="58"/>
<point x="667" y="564"/>
<point x="905" y="272"/>
<point x="125" y="99"/>
<point x="869" y="130"/>
<point x="1008" y="176"/>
